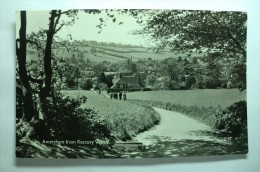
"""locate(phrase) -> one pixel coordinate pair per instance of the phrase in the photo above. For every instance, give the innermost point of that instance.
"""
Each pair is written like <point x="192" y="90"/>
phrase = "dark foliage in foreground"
<point x="232" y="121"/>
<point x="67" y="120"/>
<point x="64" y="120"/>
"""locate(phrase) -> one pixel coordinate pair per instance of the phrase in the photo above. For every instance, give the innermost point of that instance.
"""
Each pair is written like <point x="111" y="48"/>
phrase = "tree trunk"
<point x="46" y="90"/>
<point x="25" y="84"/>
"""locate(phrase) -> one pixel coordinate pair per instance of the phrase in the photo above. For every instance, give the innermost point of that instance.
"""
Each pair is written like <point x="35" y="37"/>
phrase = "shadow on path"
<point x="166" y="147"/>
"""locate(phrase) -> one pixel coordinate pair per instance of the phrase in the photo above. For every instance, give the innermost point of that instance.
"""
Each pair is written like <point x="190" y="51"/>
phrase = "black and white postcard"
<point x="130" y="83"/>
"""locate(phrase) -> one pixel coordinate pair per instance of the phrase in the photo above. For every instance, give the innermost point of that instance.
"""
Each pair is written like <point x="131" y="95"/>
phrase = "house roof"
<point x="110" y="73"/>
<point x="129" y="80"/>
<point x="121" y="73"/>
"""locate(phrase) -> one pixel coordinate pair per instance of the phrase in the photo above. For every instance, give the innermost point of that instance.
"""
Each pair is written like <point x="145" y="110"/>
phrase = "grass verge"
<point x="123" y="118"/>
<point x="202" y="114"/>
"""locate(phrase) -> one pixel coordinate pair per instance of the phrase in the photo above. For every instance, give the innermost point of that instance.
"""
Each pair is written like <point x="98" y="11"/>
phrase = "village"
<point x="144" y="74"/>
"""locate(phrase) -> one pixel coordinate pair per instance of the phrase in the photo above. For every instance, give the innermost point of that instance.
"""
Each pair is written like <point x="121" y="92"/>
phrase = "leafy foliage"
<point x="233" y="120"/>
<point x="202" y="32"/>
<point x="188" y="30"/>
<point x="86" y="85"/>
<point x="232" y="123"/>
<point x="67" y="120"/>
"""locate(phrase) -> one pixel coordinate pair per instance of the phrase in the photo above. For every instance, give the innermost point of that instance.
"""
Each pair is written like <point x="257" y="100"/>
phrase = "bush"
<point x="67" y="120"/>
<point x="232" y="121"/>
<point x="213" y="85"/>
<point x="147" y="89"/>
<point x="19" y="102"/>
<point x="71" y="82"/>
<point x="86" y="85"/>
<point x="103" y="86"/>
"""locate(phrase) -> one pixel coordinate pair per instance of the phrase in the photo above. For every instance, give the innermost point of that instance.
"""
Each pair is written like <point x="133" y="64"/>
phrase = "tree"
<point x="102" y="78"/>
<point x="179" y="59"/>
<point x="194" y="60"/>
<point x="43" y="42"/>
<point x="151" y="80"/>
<point x="26" y="90"/>
<point x="86" y="85"/>
<point x="213" y="67"/>
<point x="203" y="32"/>
<point x="173" y="69"/>
<point x="73" y="59"/>
<point x="93" y="50"/>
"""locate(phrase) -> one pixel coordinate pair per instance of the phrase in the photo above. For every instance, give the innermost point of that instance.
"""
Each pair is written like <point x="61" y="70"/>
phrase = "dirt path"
<point x="176" y="126"/>
<point x="179" y="135"/>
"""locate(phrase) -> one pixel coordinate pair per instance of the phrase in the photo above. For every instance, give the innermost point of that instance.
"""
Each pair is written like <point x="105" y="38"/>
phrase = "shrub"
<point x="232" y="121"/>
<point x="19" y="102"/>
<point x="147" y="89"/>
<point x="70" y="81"/>
<point x="67" y="120"/>
<point x="103" y="86"/>
<point x="86" y="85"/>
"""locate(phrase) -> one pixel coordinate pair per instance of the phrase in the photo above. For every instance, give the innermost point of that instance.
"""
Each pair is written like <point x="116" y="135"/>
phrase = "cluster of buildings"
<point x="125" y="81"/>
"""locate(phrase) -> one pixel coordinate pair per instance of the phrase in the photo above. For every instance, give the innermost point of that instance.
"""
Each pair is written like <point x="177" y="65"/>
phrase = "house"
<point x="127" y="83"/>
<point x="110" y="74"/>
<point x="88" y="72"/>
<point x="117" y="74"/>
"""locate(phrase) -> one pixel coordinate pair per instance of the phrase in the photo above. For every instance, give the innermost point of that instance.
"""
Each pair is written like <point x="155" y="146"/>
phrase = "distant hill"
<point x="109" y="53"/>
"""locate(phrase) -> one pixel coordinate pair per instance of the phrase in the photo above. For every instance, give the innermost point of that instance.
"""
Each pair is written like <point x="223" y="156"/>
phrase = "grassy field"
<point x="201" y="105"/>
<point x="111" y="54"/>
<point x="124" y="119"/>
<point x="200" y="97"/>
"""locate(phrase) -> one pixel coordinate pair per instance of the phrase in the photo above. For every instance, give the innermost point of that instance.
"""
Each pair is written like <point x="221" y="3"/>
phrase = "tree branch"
<point x="65" y="12"/>
<point x="57" y="21"/>
<point x="38" y="81"/>
<point x="59" y="28"/>
<point x="238" y="45"/>
<point x="36" y="44"/>
<point x="63" y="44"/>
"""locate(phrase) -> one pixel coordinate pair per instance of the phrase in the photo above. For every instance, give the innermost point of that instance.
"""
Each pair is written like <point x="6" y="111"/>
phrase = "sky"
<point x="85" y="27"/>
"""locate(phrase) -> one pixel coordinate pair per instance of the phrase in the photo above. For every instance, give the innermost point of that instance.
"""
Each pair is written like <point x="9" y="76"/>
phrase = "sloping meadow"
<point x="124" y="119"/>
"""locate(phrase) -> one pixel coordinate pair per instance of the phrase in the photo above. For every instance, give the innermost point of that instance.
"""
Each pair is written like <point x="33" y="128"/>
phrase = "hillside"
<point x="108" y="53"/>
<point x="123" y="118"/>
